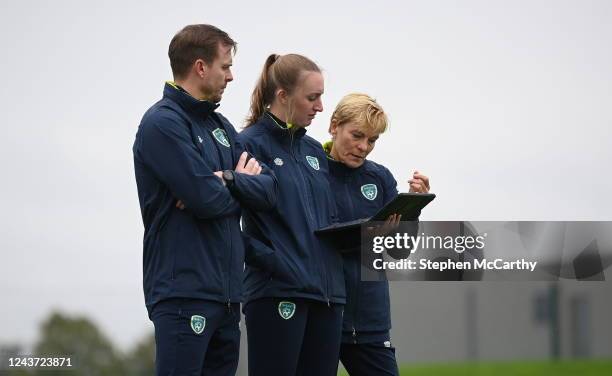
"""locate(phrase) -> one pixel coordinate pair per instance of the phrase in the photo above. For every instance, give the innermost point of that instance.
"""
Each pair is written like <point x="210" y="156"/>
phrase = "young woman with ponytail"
<point x="294" y="284"/>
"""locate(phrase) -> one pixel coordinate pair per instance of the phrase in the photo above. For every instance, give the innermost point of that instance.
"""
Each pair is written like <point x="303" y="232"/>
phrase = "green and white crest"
<point x="369" y="191"/>
<point x="313" y="162"/>
<point x="198" y="323"/>
<point x="221" y="137"/>
<point x="286" y="310"/>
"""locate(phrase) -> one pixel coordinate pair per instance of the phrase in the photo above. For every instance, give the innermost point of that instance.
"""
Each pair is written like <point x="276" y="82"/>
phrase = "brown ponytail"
<point x="263" y="94"/>
<point x="278" y="72"/>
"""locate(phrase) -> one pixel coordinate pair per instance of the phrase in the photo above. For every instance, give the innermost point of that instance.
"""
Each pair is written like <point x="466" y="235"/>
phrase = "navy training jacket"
<point x="284" y="256"/>
<point x="360" y="193"/>
<point x="197" y="252"/>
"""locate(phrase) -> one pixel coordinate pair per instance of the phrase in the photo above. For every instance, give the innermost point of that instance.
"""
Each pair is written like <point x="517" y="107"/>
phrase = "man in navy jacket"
<point x="192" y="181"/>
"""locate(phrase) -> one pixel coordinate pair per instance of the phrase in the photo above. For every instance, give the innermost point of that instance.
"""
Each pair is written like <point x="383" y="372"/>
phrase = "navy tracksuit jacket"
<point x="284" y="257"/>
<point x="196" y="253"/>
<point x="287" y="264"/>
<point x="367" y="307"/>
<point x="366" y="347"/>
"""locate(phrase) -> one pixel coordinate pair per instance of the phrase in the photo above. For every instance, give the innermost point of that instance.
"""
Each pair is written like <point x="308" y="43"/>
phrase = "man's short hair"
<point x="196" y="42"/>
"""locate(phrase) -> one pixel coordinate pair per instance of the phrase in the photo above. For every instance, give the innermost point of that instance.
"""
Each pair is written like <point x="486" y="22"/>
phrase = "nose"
<point x="230" y="77"/>
<point x="363" y="145"/>
<point x="318" y="106"/>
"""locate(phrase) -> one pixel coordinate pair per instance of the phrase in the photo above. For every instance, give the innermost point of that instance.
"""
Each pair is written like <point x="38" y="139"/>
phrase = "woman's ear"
<point x="281" y="94"/>
<point x="333" y="128"/>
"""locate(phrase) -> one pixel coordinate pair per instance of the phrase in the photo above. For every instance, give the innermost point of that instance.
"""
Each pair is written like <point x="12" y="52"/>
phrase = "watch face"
<point x="228" y="175"/>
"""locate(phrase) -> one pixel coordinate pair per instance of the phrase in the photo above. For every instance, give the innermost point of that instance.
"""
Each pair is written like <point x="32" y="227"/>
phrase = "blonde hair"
<point x="278" y="72"/>
<point x="363" y="110"/>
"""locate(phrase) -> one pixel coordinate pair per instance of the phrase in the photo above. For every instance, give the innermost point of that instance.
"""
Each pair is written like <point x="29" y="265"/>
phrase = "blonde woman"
<point x="362" y="187"/>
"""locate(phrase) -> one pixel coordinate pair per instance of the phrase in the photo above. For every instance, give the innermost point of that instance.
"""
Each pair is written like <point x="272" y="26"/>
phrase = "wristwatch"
<point x="228" y="178"/>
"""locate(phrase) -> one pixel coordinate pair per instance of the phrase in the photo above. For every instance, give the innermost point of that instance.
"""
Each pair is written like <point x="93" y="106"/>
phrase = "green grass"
<point x="560" y="368"/>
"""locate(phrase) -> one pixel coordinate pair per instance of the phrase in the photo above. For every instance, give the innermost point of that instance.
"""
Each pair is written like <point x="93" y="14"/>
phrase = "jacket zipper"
<point x="308" y="211"/>
<point x="308" y="208"/>
<point x="356" y="305"/>
<point x="229" y="273"/>
<point x="355" y="276"/>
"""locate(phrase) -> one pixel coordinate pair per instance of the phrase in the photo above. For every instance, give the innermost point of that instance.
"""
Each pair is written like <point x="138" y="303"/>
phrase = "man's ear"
<point x="201" y="68"/>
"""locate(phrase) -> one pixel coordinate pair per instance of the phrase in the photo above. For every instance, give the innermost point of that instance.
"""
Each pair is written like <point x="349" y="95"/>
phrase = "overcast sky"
<point x="506" y="105"/>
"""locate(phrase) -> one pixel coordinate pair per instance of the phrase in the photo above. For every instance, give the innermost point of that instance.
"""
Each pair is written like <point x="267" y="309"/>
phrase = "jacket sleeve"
<point x="165" y="146"/>
<point x="258" y="254"/>
<point x="256" y="192"/>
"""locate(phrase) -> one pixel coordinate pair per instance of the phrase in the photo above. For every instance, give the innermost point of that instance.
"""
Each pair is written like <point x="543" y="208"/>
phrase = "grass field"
<point x="561" y="368"/>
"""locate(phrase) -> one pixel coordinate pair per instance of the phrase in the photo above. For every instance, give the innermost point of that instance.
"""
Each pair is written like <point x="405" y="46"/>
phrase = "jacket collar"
<point x="190" y="104"/>
<point x="279" y="128"/>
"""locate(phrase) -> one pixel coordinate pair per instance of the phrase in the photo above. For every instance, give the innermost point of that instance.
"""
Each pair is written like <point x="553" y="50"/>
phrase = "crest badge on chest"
<point x="369" y="191"/>
<point x="313" y="162"/>
<point x="221" y="137"/>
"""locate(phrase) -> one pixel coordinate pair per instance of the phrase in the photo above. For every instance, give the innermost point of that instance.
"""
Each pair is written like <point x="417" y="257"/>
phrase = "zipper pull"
<point x="354" y="336"/>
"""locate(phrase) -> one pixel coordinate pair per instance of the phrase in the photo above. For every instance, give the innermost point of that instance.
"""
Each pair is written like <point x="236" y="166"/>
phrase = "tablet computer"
<point x="347" y="235"/>
<point x="409" y="205"/>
